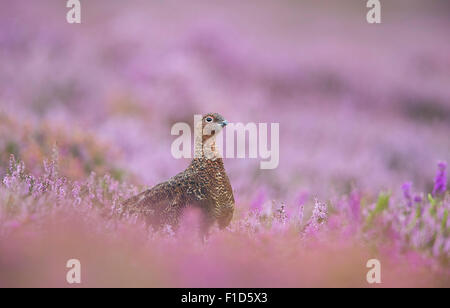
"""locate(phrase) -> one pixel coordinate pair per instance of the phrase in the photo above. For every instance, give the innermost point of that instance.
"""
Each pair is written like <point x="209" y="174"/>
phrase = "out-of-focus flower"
<point x="406" y="187"/>
<point x="418" y="198"/>
<point x="440" y="182"/>
<point x="318" y="218"/>
<point x="282" y="216"/>
<point x="76" y="193"/>
<point x="301" y="213"/>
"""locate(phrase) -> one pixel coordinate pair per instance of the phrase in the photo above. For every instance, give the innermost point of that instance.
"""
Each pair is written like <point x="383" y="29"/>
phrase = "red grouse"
<point x="204" y="184"/>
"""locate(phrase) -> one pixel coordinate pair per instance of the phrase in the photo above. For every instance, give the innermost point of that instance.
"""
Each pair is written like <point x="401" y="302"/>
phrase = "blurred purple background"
<point x="358" y="104"/>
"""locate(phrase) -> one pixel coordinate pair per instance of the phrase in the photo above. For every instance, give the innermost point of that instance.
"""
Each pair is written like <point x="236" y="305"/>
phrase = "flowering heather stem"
<point x="440" y="182"/>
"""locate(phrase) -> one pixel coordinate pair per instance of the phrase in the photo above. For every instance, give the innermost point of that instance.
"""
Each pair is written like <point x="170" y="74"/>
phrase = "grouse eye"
<point x="209" y="119"/>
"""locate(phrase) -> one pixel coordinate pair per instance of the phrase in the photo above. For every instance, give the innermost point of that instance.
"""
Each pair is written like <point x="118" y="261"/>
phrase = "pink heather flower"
<point x="91" y="185"/>
<point x="167" y="230"/>
<point x="282" y="216"/>
<point x="16" y="173"/>
<point x="418" y="198"/>
<point x="50" y="170"/>
<point x="15" y="167"/>
<point x="60" y="188"/>
<point x="440" y="182"/>
<point x="320" y="214"/>
<point x="406" y="187"/>
<point x="302" y="198"/>
<point x="301" y="212"/>
<point x="7" y="181"/>
<point x="12" y="163"/>
<point x="76" y="193"/>
<point x="30" y="180"/>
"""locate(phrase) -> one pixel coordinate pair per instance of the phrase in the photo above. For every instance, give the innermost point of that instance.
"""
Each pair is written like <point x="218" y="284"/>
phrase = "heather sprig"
<point x="318" y="218"/>
<point x="440" y="181"/>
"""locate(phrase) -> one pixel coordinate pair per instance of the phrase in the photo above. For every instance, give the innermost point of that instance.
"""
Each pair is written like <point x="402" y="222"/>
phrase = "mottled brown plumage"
<point x="204" y="184"/>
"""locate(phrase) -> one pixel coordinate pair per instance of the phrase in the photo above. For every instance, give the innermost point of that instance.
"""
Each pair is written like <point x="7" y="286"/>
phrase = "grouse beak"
<point x="224" y="123"/>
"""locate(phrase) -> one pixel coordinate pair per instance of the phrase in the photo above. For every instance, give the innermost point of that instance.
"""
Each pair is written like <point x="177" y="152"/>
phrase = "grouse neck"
<point x="203" y="161"/>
